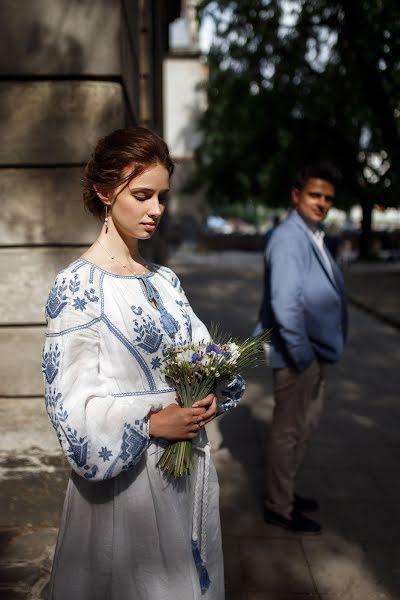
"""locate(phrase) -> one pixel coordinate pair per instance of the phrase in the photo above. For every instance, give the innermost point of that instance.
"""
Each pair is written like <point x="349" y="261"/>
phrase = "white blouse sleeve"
<point x="101" y="435"/>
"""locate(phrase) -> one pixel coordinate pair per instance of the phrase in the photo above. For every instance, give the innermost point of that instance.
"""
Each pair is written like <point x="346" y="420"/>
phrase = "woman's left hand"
<point x="210" y="405"/>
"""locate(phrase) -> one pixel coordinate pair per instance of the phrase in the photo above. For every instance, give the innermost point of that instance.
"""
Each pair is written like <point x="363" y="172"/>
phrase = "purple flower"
<point x="196" y="358"/>
<point x="214" y="348"/>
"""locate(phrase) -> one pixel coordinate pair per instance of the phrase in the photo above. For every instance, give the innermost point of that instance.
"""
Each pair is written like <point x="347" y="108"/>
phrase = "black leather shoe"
<point x="298" y="523"/>
<point x="305" y="504"/>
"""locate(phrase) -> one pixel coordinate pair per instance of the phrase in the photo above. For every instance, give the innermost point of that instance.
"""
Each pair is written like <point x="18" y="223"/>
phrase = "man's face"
<point x="314" y="200"/>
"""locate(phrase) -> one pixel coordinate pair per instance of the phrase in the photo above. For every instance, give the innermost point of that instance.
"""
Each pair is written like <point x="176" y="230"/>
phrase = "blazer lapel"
<point x="331" y="276"/>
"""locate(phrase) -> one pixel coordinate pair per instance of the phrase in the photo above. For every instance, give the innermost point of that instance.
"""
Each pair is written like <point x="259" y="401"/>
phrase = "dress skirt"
<point x="129" y="537"/>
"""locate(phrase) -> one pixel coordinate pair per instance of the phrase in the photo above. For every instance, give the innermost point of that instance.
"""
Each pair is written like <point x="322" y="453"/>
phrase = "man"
<point x="305" y="306"/>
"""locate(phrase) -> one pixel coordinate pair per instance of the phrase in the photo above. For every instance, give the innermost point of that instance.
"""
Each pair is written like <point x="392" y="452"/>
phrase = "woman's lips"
<point x="149" y="226"/>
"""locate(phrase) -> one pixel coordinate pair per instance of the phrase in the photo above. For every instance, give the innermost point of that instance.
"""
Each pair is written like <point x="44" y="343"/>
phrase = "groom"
<point x="305" y="306"/>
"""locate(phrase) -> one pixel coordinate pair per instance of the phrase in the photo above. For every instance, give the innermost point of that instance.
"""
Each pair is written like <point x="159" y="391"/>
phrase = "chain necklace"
<point x="146" y="266"/>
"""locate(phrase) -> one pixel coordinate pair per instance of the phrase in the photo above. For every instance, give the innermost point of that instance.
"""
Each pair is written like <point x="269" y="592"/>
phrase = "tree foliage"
<point x="297" y="81"/>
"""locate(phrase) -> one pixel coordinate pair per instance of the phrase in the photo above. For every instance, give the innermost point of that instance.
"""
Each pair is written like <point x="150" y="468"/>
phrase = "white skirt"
<point x="130" y="537"/>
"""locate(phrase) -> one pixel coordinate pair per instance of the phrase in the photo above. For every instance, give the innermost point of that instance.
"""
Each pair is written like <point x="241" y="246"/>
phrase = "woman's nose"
<point x="156" y="208"/>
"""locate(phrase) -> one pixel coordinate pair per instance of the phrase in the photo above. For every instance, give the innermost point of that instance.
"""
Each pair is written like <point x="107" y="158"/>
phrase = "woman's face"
<point x="138" y="208"/>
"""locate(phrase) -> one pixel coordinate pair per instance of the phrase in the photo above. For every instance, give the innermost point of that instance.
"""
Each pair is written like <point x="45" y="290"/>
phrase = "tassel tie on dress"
<point x="200" y="508"/>
<point x="170" y="325"/>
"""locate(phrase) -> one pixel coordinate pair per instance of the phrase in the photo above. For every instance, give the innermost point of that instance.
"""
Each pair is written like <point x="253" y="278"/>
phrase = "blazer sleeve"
<point x="286" y="263"/>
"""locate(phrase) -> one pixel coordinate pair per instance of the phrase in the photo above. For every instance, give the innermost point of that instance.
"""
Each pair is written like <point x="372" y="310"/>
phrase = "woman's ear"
<point x="103" y="197"/>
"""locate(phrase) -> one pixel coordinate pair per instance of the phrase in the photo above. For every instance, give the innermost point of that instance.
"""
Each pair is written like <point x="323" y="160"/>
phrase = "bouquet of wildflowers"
<point x="195" y="371"/>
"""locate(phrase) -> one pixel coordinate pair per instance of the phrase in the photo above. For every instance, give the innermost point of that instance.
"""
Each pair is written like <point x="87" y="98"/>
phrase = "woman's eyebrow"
<point x="146" y="189"/>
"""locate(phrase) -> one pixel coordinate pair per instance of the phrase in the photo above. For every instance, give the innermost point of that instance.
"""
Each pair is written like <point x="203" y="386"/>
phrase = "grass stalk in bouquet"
<point x="195" y="371"/>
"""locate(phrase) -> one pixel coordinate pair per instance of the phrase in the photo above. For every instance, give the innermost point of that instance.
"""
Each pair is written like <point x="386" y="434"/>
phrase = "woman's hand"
<point x="176" y="423"/>
<point x="210" y="405"/>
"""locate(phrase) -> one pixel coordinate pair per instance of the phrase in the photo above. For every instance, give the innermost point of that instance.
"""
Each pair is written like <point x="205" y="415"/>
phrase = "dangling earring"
<point x="106" y="219"/>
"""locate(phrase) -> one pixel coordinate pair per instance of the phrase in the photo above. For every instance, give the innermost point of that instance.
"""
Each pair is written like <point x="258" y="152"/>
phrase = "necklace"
<point x="146" y="266"/>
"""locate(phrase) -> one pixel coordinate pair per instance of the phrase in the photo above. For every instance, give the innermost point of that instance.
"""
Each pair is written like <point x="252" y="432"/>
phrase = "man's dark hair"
<point x="321" y="170"/>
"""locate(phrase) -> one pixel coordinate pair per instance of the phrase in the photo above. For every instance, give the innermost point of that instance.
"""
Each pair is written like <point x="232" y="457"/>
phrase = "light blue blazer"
<point x="303" y="303"/>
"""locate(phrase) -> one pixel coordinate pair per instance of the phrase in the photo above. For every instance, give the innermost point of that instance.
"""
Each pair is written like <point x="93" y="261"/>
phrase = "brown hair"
<point x="134" y="146"/>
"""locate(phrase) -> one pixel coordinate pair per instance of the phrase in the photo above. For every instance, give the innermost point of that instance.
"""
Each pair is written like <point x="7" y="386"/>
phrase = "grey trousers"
<point x="298" y="406"/>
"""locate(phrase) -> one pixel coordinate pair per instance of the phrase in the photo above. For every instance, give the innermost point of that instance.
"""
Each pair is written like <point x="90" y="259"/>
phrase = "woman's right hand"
<point x="176" y="423"/>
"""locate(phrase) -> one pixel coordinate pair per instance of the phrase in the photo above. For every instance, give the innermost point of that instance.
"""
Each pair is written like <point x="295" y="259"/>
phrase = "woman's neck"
<point x="123" y="248"/>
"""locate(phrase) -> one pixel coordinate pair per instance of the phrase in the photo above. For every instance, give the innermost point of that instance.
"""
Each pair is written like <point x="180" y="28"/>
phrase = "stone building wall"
<point x="70" y="72"/>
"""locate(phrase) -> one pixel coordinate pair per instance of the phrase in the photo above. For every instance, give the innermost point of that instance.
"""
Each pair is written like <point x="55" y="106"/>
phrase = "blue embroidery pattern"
<point x="51" y="399"/>
<point x="156" y="363"/>
<point x="57" y="300"/>
<point x="105" y="454"/>
<point x="149" y="337"/>
<point x="137" y="310"/>
<point x="78" y="447"/>
<point x="79" y="304"/>
<point x="51" y="363"/>
<point x="74" y="284"/>
<point x="134" y="442"/>
<point x="185" y="314"/>
<point x="90" y="295"/>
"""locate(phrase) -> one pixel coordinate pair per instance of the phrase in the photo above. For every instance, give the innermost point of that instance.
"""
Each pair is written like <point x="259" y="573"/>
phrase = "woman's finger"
<point x="205" y="401"/>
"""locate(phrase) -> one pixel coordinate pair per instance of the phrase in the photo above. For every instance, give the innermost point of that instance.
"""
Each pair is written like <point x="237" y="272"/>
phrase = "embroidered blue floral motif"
<point x="138" y="310"/>
<point x="78" y="448"/>
<point x="62" y="414"/>
<point x="79" y="304"/>
<point x="185" y="314"/>
<point x="134" y="442"/>
<point x="90" y="295"/>
<point x="149" y="337"/>
<point x="75" y="284"/>
<point x="105" y="454"/>
<point x="155" y="363"/>
<point x="50" y="364"/>
<point x="175" y="281"/>
<point x="57" y="299"/>
<point x="51" y="399"/>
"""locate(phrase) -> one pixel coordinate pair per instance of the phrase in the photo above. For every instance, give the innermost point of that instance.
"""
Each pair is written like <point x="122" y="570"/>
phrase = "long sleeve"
<point x="100" y="434"/>
<point x="284" y="260"/>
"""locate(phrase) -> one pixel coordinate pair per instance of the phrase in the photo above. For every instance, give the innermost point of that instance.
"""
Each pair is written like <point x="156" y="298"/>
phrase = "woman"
<point x="127" y="530"/>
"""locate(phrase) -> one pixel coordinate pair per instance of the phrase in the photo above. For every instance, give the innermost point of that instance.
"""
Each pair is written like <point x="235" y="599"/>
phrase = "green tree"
<point x="291" y="82"/>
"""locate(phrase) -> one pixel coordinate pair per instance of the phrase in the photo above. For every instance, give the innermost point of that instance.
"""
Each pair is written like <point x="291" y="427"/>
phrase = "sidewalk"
<point x="375" y="287"/>
<point x="352" y="467"/>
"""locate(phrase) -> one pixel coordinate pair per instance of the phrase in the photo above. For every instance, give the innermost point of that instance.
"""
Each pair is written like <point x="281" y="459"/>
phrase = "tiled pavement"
<point x="352" y="466"/>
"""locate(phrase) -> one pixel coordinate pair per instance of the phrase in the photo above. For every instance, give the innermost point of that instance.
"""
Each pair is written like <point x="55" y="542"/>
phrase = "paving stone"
<point x="32" y="545"/>
<point x="33" y="500"/>
<point x="274" y="565"/>
<point x="278" y="596"/>
<point x="10" y="593"/>
<point x="232" y="567"/>
<point x="23" y="574"/>
<point x="341" y="570"/>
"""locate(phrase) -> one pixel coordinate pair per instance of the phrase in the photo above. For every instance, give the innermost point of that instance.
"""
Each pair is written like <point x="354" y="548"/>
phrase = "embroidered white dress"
<point x="127" y="531"/>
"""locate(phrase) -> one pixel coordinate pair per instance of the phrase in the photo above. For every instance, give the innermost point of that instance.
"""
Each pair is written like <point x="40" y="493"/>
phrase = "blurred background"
<point x="244" y="92"/>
